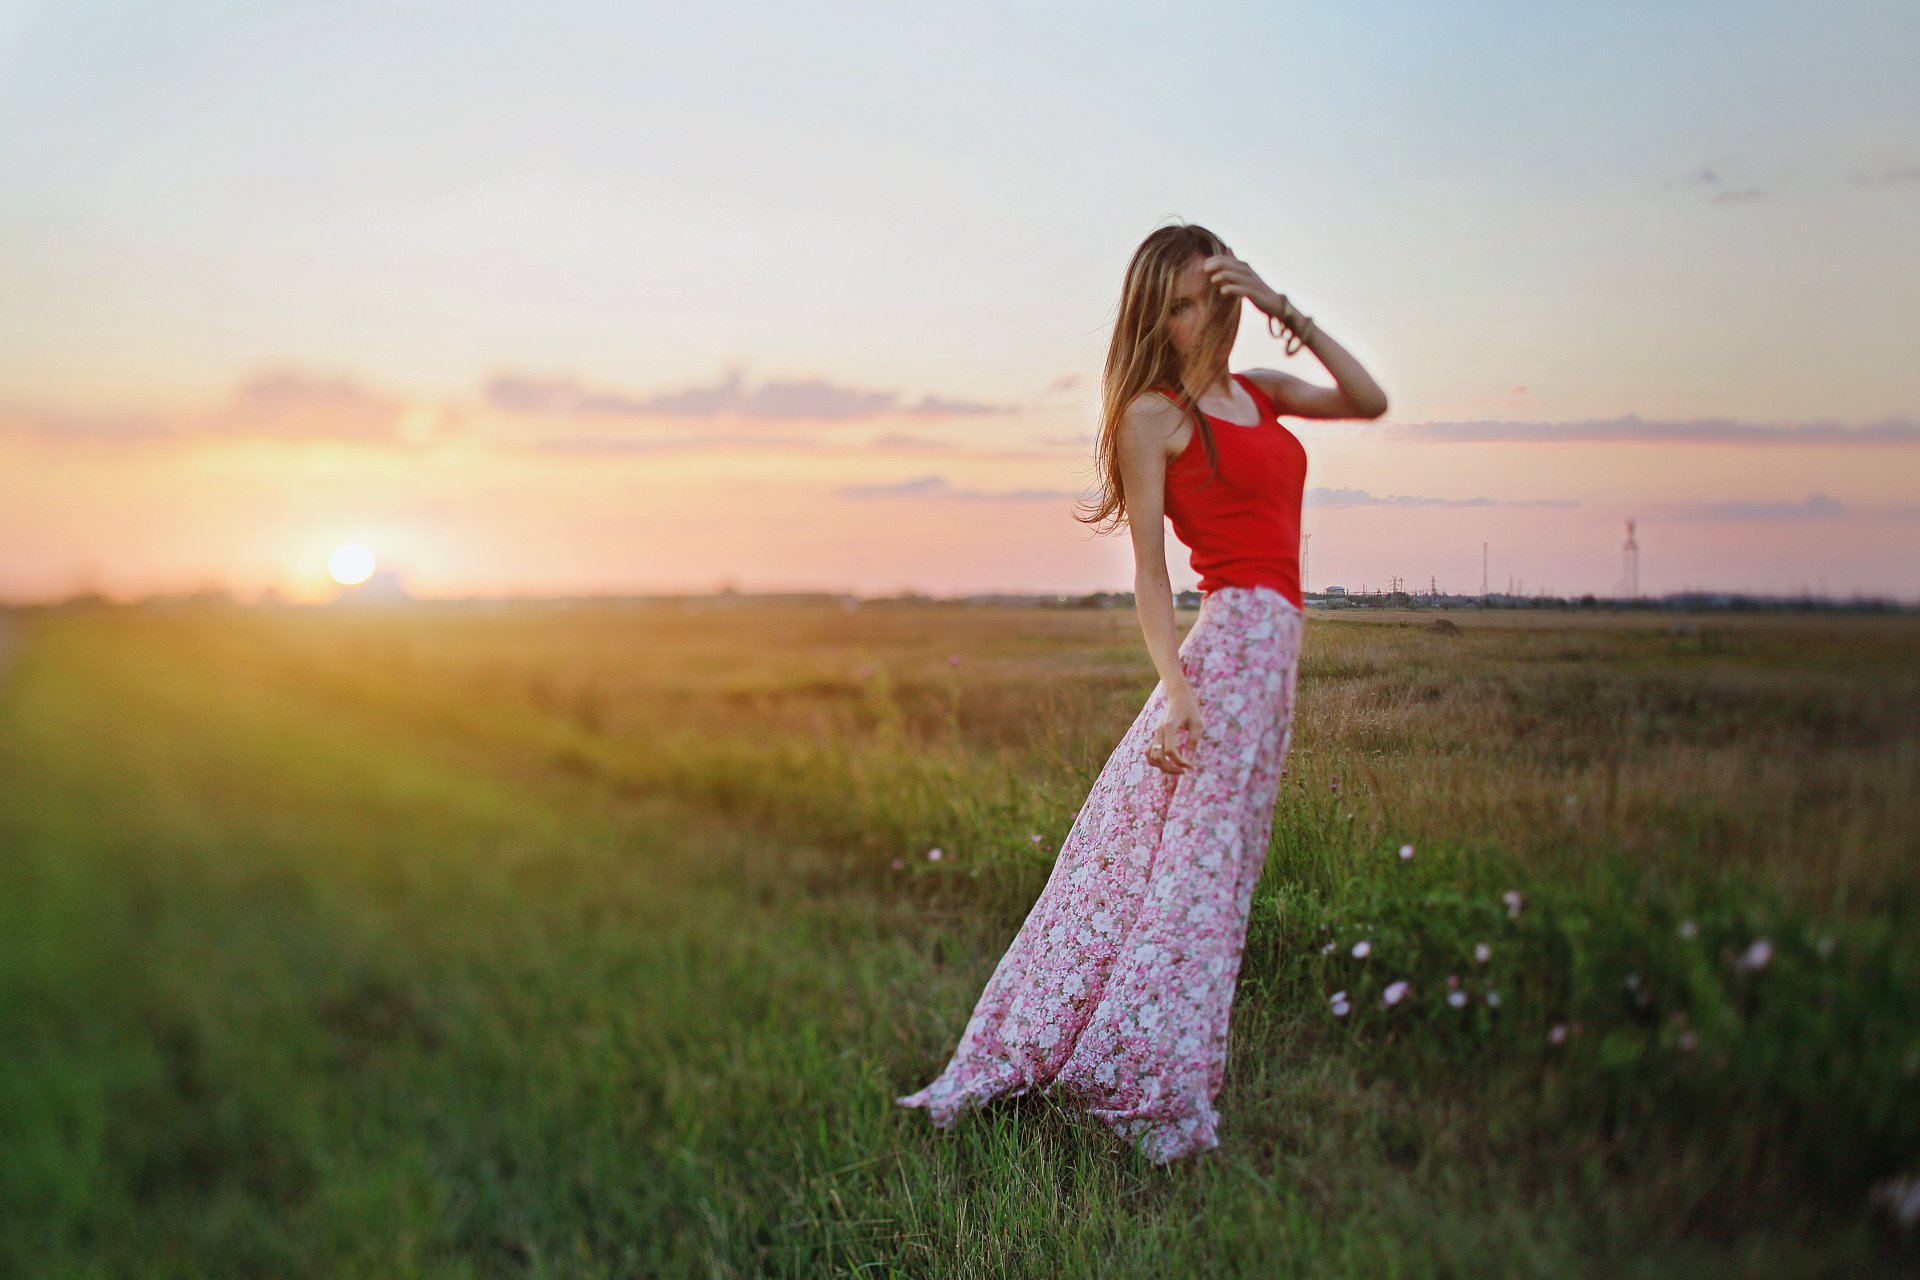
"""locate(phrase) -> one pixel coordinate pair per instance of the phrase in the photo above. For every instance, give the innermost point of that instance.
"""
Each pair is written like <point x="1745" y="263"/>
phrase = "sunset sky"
<point x="566" y="298"/>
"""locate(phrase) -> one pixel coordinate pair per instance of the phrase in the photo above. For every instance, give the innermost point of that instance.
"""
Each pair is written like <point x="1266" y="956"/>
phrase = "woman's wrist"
<point x="1278" y="307"/>
<point x="1292" y="322"/>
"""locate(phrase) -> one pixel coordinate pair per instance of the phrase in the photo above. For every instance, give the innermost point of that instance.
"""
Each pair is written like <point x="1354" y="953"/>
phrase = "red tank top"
<point x="1244" y="527"/>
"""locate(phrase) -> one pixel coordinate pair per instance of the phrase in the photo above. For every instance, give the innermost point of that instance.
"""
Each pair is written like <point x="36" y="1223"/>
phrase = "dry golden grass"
<point x="1779" y="746"/>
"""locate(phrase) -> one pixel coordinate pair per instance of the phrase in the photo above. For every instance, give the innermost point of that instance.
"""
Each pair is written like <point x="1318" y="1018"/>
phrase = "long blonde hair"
<point x="1142" y="355"/>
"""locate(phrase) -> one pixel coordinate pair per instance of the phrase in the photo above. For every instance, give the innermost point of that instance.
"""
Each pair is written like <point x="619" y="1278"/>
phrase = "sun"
<point x="350" y="563"/>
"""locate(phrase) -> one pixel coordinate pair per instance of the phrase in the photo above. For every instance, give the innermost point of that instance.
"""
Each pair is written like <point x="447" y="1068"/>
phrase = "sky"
<point x="567" y="299"/>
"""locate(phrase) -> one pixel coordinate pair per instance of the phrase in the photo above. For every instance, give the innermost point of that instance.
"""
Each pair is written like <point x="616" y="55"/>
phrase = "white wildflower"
<point x="1901" y="1196"/>
<point x="1755" y="957"/>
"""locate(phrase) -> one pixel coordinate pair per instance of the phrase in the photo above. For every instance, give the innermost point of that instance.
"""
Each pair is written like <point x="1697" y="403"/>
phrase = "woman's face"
<point x="1192" y="301"/>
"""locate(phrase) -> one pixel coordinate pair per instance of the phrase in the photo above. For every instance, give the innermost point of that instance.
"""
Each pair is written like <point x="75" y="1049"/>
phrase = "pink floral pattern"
<point x="1115" y="994"/>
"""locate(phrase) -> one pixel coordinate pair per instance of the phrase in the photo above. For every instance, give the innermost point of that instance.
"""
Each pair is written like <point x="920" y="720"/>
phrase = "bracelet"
<point x="1292" y="321"/>
<point x="1300" y="338"/>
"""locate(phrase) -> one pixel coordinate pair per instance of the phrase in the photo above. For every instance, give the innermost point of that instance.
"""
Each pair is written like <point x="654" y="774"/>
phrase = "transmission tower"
<point x="1630" y="564"/>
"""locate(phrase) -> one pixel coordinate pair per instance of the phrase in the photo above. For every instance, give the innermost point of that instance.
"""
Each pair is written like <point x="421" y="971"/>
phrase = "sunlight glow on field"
<point x="350" y="563"/>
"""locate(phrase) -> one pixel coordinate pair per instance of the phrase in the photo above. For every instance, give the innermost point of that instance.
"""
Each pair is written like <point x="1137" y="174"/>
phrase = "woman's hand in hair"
<point x="1164" y="750"/>
<point x="1238" y="280"/>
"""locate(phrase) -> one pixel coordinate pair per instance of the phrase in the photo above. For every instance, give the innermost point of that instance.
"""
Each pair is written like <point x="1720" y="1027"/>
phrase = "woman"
<point x="1116" y="992"/>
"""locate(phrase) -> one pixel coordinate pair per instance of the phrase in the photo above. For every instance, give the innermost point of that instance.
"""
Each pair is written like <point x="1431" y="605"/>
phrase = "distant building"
<point x="1334" y="591"/>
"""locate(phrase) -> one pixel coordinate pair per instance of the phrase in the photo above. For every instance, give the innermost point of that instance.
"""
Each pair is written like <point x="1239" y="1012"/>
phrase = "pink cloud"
<point x="786" y="400"/>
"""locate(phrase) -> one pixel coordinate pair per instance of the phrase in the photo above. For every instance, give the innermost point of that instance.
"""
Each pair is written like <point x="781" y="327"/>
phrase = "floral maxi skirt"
<point x="1115" y="993"/>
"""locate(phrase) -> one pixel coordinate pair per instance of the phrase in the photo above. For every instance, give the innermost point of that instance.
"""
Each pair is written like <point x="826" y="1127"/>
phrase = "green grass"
<point x="341" y="947"/>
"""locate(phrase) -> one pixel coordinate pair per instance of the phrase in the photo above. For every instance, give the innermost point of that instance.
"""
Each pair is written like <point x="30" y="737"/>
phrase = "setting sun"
<point x="350" y="564"/>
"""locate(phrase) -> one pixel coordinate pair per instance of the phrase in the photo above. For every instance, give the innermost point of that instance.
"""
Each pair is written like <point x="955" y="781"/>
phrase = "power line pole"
<point x="1306" y="545"/>
<point x="1630" y="563"/>
<point x="1483" y="571"/>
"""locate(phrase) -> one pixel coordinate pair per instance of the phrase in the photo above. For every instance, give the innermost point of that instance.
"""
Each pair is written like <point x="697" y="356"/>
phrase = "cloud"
<point x="1815" y="506"/>
<point x="1323" y="497"/>
<point x="110" y="427"/>
<point x="902" y="442"/>
<point x="1711" y="178"/>
<point x="629" y="444"/>
<point x="793" y="400"/>
<point x="1065" y="382"/>
<point x="1631" y="428"/>
<point x="1716" y="182"/>
<point x="1892" y="175"/>
<point x="941" y="407"/>
<point x="892" y="443"/>
<point x="282" y="403"/>
<point x="899" y="442"/>
<point x="290" y="404"/>
<point x="934" y="486"/>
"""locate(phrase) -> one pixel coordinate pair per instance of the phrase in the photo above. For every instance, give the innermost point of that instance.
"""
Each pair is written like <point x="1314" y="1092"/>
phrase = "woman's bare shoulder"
<point x="1153" y="424"/>
<point x="1152" y="415"/>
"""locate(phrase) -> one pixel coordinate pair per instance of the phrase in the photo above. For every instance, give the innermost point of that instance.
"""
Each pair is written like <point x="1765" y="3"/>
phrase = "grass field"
<point x="597" y="941"/>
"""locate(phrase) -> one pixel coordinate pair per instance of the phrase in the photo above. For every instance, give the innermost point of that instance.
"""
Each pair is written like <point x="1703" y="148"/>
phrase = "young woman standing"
<point x="1116" y="992"/>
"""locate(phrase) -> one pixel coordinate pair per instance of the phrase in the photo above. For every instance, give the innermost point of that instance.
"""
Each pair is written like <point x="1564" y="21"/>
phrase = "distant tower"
<point x="1483" y="568"/>
<point x="1306" y="545"/>
<point x="1630" y="564"/>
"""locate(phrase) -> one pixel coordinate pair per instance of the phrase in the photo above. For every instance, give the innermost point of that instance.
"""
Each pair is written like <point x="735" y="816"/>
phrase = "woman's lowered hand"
<point x="1164" y="749"/>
